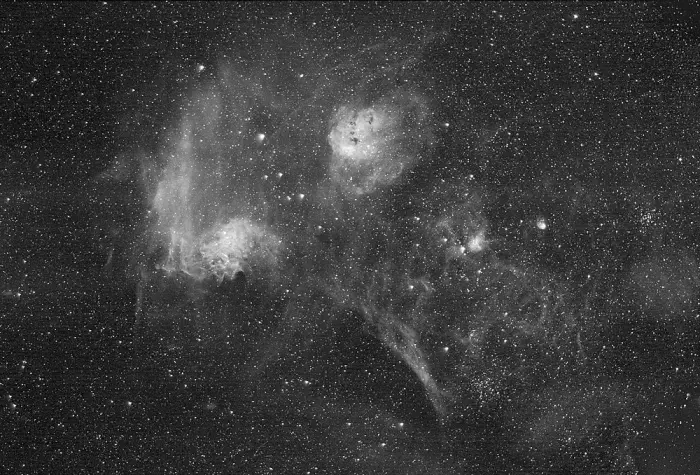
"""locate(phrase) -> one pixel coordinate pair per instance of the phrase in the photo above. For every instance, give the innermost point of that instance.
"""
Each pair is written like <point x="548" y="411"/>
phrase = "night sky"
<point x="350" y="238"/>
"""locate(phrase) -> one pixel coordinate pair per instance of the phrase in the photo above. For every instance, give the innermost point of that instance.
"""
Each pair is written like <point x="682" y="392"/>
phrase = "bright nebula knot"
<point x="373" y="146"/>
<point x="224" y="251"/>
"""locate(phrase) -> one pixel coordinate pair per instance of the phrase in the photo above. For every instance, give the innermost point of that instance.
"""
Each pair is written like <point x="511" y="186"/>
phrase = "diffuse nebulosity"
<point x="373" y="146"/>
<point x="326" y="199"/>
<point x="337" y="196"/>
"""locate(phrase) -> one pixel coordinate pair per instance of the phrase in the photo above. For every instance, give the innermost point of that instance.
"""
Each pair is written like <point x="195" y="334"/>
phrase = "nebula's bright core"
<point x="373" y="146"/>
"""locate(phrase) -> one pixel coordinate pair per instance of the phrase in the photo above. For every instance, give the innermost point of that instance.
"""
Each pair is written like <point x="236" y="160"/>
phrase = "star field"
<point x="322" y="237"/>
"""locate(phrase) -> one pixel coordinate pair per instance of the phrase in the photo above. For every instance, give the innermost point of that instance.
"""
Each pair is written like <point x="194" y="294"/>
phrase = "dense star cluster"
<point x="350" y="238"/>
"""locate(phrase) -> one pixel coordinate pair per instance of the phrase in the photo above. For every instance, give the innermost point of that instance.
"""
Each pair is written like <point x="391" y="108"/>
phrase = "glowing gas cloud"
<point x="223" y="251"/>
<point x="373" y="146"/>
<point x="235" y="194"/>
<point x="294" y="196"/>
<point x="209" y="217"/>
<point x="316" y="194"/>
